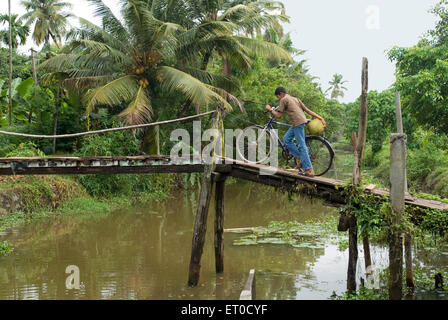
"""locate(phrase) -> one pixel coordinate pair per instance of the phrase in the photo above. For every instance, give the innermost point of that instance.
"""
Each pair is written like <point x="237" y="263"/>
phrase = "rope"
<point x="75" y="135"/>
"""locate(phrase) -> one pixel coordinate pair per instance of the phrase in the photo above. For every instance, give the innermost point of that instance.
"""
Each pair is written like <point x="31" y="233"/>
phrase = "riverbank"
<point x="27" y="198"/>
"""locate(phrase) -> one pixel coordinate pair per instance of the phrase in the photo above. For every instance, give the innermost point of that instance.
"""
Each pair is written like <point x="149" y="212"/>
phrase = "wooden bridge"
<point x="328" y="189"/>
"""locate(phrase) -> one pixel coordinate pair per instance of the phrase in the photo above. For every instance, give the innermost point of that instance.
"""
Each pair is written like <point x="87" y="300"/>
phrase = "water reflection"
<point x="144" y="253"/>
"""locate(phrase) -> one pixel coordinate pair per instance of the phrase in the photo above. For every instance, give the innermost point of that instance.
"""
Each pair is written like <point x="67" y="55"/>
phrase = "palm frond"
<point x="198" y="92"/>
<point x="112" y="93"/>
<point x="139" y="110"/>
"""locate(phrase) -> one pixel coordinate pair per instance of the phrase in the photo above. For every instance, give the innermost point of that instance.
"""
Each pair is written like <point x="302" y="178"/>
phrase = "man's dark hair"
<point x="280" y="90"/>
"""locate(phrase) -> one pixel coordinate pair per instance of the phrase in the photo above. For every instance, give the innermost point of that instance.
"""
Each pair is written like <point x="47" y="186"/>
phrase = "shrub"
<point x="114" y="144"/>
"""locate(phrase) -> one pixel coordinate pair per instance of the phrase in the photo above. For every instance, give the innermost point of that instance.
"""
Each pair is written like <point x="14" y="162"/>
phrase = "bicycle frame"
<point x="271" y="128"/>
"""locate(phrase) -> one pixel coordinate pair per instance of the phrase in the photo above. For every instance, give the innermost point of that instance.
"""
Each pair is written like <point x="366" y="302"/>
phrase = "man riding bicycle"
<point x="295" y="109"/>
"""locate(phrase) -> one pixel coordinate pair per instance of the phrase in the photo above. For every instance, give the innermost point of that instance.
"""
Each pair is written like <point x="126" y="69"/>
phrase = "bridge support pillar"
<point x="200" y="227"/>
<point x="220" y="181"/>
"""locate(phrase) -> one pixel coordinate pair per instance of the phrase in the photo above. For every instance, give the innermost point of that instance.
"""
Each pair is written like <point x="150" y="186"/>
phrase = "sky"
<point x="336" y="35"/>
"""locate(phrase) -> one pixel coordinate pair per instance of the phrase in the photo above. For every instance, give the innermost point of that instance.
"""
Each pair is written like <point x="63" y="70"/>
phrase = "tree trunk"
<point x="30" y="116"/>
<point x="184" y="110"/>
<point x="227" y="69"/>
<point x="56" y="116"/>
<point x="357" y="177"/>
<point x="206" y="60"/>
<point x="10" y="64"/>
<point x="151" y="141"/>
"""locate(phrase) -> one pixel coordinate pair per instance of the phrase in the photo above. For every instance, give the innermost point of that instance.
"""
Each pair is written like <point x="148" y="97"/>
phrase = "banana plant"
<point x="21" y="102"/>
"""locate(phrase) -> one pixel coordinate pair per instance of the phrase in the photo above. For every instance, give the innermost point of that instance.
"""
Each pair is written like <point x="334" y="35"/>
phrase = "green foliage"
<point x="259" y="86"/>
<point x="311" y="234"/>
<point x="365" y="294"/>
<point x="5" y="248"/>
<point x="424" y="277"/>
<point x="113" y="144"/>
<point x="49" y="19"/>
<point x="435" y="222"/>
<point x="21" y="65"/>
<point x="422" y="74"/>
<point x="437" y="182"/>
<point x="426" y="167"/>
<point x="381" y="119"/>
<point x="122" y="143"/>
<point x="19" y="32"/>
<point x="84" y="204"/>
<point x="336" y="86"/>
<point x="27" y="149"/>
<point x="370" y="211"/>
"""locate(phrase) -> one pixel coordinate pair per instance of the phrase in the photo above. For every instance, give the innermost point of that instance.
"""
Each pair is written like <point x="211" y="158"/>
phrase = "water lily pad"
<point x="245" y="242"/>
<point x="272" y="241"/>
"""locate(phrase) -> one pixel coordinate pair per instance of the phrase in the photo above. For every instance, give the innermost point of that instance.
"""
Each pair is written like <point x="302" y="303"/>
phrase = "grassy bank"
<point x="43" y="196"/>
<point x="427" y="169"/>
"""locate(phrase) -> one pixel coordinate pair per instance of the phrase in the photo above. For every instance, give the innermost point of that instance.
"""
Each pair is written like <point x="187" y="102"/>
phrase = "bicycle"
<point x="319" y="149"/>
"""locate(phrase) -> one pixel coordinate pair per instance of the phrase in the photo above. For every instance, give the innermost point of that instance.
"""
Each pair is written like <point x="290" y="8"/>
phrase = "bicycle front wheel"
<point x="254" y="144"/>
<point x="321" y="154"/>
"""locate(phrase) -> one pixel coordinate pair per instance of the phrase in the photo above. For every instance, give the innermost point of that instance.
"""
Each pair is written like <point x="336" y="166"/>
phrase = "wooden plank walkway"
<point x="328" y="189"/>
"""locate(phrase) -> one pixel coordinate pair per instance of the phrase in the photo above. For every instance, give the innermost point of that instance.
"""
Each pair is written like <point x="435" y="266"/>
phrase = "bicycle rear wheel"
<point x="254" y="144"/>
<point x="321" y="154"/>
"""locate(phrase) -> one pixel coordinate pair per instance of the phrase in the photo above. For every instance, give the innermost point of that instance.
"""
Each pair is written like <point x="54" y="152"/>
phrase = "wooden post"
<point x="200" y="226"/>
<point x="367" y="255"/>
<point x="407" y="237"/>
<point x="408" y="261"/>
<point x="362" y="128"/>
<point x="397" y="195"/>
<point x="357" y="177"/>
<point x="219" y="222"/>
<point x="365" y="239"/>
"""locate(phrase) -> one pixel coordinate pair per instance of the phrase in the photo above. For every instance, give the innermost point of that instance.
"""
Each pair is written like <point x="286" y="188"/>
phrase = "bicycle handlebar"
<point x="274" y="109"/>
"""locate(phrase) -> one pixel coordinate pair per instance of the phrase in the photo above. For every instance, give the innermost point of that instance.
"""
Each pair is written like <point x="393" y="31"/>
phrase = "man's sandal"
<point x="305" y="174"/>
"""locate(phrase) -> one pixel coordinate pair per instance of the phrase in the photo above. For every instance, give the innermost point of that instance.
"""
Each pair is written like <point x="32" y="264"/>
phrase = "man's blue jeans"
<point x="301" y="150"/>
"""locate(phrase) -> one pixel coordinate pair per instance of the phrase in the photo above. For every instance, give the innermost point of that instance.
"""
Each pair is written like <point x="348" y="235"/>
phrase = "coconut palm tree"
<point x="227" y="28"/>
<point x="10" y="62"/>
<point x="337" y="89"/>
<point x="49" y="19"/>
<point x="125" y="62"/>
<point x="228" y="31"/>
<point x="19" y="32"/>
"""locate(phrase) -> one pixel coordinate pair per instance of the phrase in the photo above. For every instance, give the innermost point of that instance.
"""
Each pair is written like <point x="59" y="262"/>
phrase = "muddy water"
<point x="144" y="253"/>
